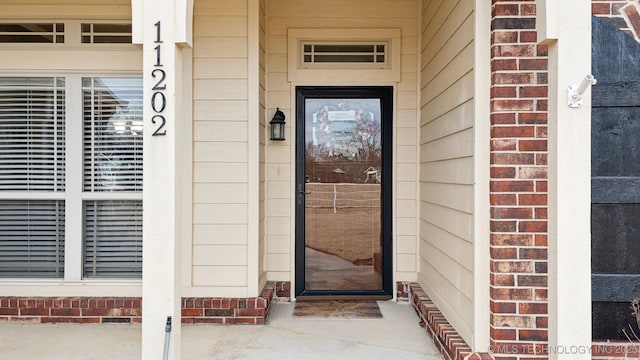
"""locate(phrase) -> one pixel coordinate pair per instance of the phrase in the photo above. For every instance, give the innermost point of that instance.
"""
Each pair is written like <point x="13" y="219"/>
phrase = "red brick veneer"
<point x="518" y="184"/>
<point x="283" y="291"/>
<point x="71" y="309"/>
<point x="402" y="291"/>
<point x="252" y="311"/>
<point x="453" y="347"/>
<point x="518" y="195"/>
<point x="129" y="309"/>
<point x="444" y="336"/>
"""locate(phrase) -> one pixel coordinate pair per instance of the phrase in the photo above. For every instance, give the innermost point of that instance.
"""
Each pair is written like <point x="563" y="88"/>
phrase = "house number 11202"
<point x="158" y="99"/>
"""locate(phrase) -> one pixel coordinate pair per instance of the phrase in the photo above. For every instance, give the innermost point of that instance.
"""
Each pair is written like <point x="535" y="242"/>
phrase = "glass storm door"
<point x="343" y="191"/>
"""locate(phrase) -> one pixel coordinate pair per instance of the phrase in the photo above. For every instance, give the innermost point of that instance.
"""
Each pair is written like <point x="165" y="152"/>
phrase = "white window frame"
<point x="73" y="195"/>
<point x="345" y="64"/>
<point x="349" y="72"/>
<point x="73" y="61"/>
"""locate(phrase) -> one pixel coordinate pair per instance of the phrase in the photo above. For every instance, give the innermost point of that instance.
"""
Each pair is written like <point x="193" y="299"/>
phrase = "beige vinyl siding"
<point x="65" y="9"/>
<point x="446" y="159"/>
<point x="221" y="201"/>
<point x="283" y="15"/>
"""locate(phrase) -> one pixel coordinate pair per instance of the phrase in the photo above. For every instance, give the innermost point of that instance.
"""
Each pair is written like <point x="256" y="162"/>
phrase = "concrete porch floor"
<point x="396" y="336"/>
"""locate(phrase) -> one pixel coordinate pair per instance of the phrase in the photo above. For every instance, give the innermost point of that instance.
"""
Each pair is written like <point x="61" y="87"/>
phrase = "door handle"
<point x="301" y="190"/>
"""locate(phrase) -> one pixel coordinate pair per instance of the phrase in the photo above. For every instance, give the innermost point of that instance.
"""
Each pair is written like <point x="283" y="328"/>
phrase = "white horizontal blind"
<point x="31" y="238"/>
<point x="32" y="134"/>
<point x="112" y="134"/>
<point x="113" y="239"/>
<point x="32" y="160"/>
<point x="112" y="152"/>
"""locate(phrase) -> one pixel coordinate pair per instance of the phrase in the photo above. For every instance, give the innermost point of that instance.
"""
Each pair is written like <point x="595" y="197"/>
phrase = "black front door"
<point x="343" y="191"/>
<point x="615" y="182"/>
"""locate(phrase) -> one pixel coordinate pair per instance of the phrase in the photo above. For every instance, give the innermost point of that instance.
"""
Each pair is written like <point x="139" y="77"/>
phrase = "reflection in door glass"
<point x="343" y="174"/>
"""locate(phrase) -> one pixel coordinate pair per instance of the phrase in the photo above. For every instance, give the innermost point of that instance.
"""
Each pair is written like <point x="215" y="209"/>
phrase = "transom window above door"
<point x="345" y="53"/>
<point x="351" y="55"/>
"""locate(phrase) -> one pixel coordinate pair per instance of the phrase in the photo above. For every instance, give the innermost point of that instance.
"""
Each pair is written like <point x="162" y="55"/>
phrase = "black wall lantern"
<point x="277" y="126"/>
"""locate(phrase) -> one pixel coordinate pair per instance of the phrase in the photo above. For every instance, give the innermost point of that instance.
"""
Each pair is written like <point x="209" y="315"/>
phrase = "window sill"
<point x="57" y="287"/>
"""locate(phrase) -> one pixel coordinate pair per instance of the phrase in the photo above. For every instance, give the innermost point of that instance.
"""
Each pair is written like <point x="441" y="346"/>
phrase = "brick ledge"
<point x="444" y="336"/>
<point x="128" y="310"/>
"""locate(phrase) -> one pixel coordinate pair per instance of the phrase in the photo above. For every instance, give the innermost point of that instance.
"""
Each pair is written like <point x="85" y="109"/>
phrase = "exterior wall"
<point x="358" y="14"/>
<point x="447" y="160"/>
<point x="71" y="9"/>
<point x="221" y="150"/>
<point x="224" y="95"/>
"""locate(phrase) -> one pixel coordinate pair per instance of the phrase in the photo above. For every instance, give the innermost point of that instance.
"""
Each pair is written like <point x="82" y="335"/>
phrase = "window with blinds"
<point x="33" y="151"/>
<point x="32" y="134"/>
<point x="31" y="238"/>
<point x="112" y="134"/>
<point x="113" y="239"/>
<point x="32" y="162"/>
<point x="112" y="153"/>
<point x="70" y="155"/>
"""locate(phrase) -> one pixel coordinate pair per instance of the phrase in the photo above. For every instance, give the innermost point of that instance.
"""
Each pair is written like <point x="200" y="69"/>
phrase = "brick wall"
<point x="403" y="291"/>
<point x="252" y="311"/>
<point x="518" y="195"/>
<point x="70" y="310"/>
<point x="444" y="336"/>
<point x="249" y="311"/>
<point x="519" y="309"/>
